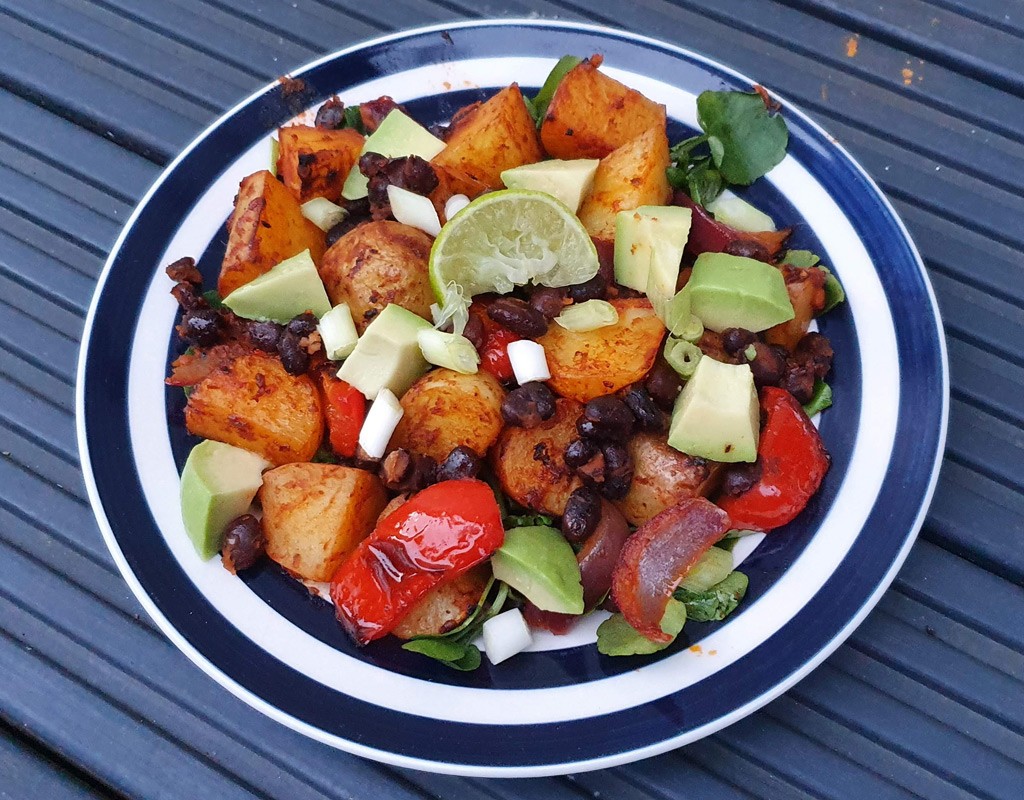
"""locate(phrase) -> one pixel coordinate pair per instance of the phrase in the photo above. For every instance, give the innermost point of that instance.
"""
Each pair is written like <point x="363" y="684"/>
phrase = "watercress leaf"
<point x="717" y="149"/>
<point x="469" y="661"/>
<point x="616" y="637"/>
<point x="834" y="293"/>
<point x="353" y="119"/>
<point x="680" y="152"/>
<point x="325" y="456"/>
<point x="716" y="603"/>
<point x="752" y="139"/>
<point x="676" y="177"/>
<point x="704" y="184"/>
<point x="543" y="98"/>
<point x="820" y="399"/>
<point x="437" y="648"/>
<point x="526" y="520"/>
<point x="212" y="296"/>
<point x="800" y="258"/>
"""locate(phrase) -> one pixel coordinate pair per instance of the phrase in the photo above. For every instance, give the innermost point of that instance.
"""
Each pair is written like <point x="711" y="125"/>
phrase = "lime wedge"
<point x="510" y="238"/>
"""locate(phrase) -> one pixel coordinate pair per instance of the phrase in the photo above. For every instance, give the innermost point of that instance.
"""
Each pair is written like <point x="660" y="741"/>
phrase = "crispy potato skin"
<point x="445" y="409"/>
<point x="445" y="607"/>
<point x="488" y="138"/>
<point x="378" y="263"/>
<point x="630" y="176"/>
<point x="585" y="365"/>
<point x="530" y="462"/>
<point x="254" y="404"/>
<point x="265" y="228"/>
<point x="314" y="515"/>
<point x="314" y="162"/>
<point x="591" y="114"/>
<point x="663" y="477"/>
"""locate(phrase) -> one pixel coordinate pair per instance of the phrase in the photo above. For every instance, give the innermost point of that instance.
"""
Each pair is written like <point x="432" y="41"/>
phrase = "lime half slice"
<point x="509" y="238"/>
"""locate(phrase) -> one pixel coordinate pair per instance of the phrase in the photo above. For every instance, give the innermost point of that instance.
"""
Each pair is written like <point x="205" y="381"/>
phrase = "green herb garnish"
<point x="820" y="399"/>
<point x="538" y="106"/>
<point x="716" y="603"/>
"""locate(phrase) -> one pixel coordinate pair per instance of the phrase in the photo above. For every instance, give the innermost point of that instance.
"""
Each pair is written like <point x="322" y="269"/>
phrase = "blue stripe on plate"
<point x="891" y="522"/>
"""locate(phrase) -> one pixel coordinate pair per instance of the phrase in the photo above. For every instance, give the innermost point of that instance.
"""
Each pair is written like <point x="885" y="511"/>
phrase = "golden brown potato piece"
<point x="379" y="263"/>
<point x="314" y="162"/>
<point x="631" y="176"/>
<point x="266" y="227"/>
<point x="445" y="607"/>
<point x="254" y="404"/>
<point x="530" y="462"/>
<point x="314" y="515"/>
<point x="663" y="477"/>
<point x="486" y="139"/>
<point x="585" y="365"/>
<point x="445" y="409"/>
<point x="591" y="114"/>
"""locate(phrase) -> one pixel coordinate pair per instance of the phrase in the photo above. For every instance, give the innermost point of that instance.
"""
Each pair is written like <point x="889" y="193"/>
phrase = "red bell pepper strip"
<point x="658" y="555"/>
<point x="793" y="463"/>
<point x="494" y="355"/>
<point x="434" y="537"/>
<point x="345" y="408"/>
<point x="708" y="235"/>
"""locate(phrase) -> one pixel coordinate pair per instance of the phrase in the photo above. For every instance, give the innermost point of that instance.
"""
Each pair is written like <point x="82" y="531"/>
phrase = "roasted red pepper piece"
<point x="708" y="235"/>
<point x="345" y="408"/>
<point x="793" y="463"/>
<point x="658" y="555"/>
<point x="494" y="355"/>
<point x="434" y="537"/>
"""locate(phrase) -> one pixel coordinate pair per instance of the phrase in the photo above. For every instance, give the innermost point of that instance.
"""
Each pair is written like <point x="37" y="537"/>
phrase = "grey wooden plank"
<point x="27" y="772"/>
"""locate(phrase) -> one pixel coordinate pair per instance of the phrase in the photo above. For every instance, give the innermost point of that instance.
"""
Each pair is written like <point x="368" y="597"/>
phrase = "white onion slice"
<point x="338" y="332"/>
<point x="505" y="635"/>
<point x="528" y="361"/>
<point x="414" y="209"/>
<point x="449" y="350"/>
<point x="455" y="204"/>
<point x="380" y="423"/>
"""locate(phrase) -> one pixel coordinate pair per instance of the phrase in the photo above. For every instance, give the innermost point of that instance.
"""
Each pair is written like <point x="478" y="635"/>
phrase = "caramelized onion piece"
<point x="597" y="559"/>
<point x="658" y="555"/>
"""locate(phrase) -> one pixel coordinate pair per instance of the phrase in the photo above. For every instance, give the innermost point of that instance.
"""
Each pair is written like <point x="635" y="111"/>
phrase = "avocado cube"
<point x="388" y="354"/>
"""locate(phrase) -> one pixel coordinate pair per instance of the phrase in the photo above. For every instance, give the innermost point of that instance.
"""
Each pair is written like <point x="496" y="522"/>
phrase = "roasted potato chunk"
<point x="445" y="409"/>
<point x="314" y="162"/>
<point x="530" y="462"/>
<point x="486" y="139"/>
<point x="806" y="288"/>
<point x="314" y="515"/>
<point x="265" y="228"/>
<point x="446" y="607"/>
<point x="378" y="263"/>
<point x="591" y="114"/>
<point x="662" y="477"/>
<point x="588" y="364"/>
<point x="254" y="404"/>
<point x="631" y="176"/>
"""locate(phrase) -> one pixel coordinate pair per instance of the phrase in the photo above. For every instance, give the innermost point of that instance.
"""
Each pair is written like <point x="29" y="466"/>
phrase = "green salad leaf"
<point x="820" y="399"/>
<point x="803" y="259"/>
<point x="616" y="637"/>
<point x="538" y="106"/>
<point x="716" y="603"/>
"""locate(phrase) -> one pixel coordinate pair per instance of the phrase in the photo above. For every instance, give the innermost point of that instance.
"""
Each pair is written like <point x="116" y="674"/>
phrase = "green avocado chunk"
<point x="397" y="135"/>
<point x="649" y="243"/>
<point x="540" y="564"/>
<point x="287" y="290"/>
<point x="387" y="354"/>
<point x="568" y="181"/>
<point x="717" y="415"/>
<point x="729" y="291"/>
<point x="218" y="484"/>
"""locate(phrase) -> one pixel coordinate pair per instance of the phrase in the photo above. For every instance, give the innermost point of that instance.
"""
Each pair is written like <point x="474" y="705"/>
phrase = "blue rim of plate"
<point x="195" y="626"/>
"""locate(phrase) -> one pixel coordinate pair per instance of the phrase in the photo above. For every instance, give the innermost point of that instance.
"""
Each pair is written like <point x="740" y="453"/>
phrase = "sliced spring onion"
<point x="681" y="323"/>
<point x="505" y="635"/>
<point x="414" y="209"/>
<point x="275" y="154"/>
<point x="454" y="306"/>
<point x="449" y="350"/>
<point x="682" y="356"/>
<point x="380" y="423"/>
<point x="455" y="204"/>
<point x="529" y="363"/>
<point x="323" y="213"/>
<point x="338" y="332"/>
<point x="588" y="316"/>
<point x="750" y="353"/>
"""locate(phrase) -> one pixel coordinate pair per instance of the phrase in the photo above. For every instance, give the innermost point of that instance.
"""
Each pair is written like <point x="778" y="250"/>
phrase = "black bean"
<point x="356" y="208"/>
<point x="264" y="335"/>
<point x="768" y="365"/>
<point x="618" y="471"/>
<point x="372" y="164"/>
<point x="294" y="359"/>
<point x="736" y="340"/>
<point x="462" y="462"/>
<point x="404" y="471"/>
<point x="341" y="228"/>
<point x="475" y="332"/>
<point x="528" y="406"/>
<point x="816" y="351"/>
<point x="594" y="289"/>
<point x="201" y="327"/>
<point x="244" y="543"/>
<point x="606" y="418"/>
<point x="548" y="301"/>
<point x="581" y="515"/>
<point x="412" y="173"/>
<point x="748" y="248"/>
<point x="520" y="318"/>
<point x="579" y="451"/>
<point x="331" y="115"/>
<point x="664" y="384"/>
<point x="648" y="416"/>
<point x="303" y="325"/>
<point x="740" y="478"/>
<point x="799" y="381"/>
